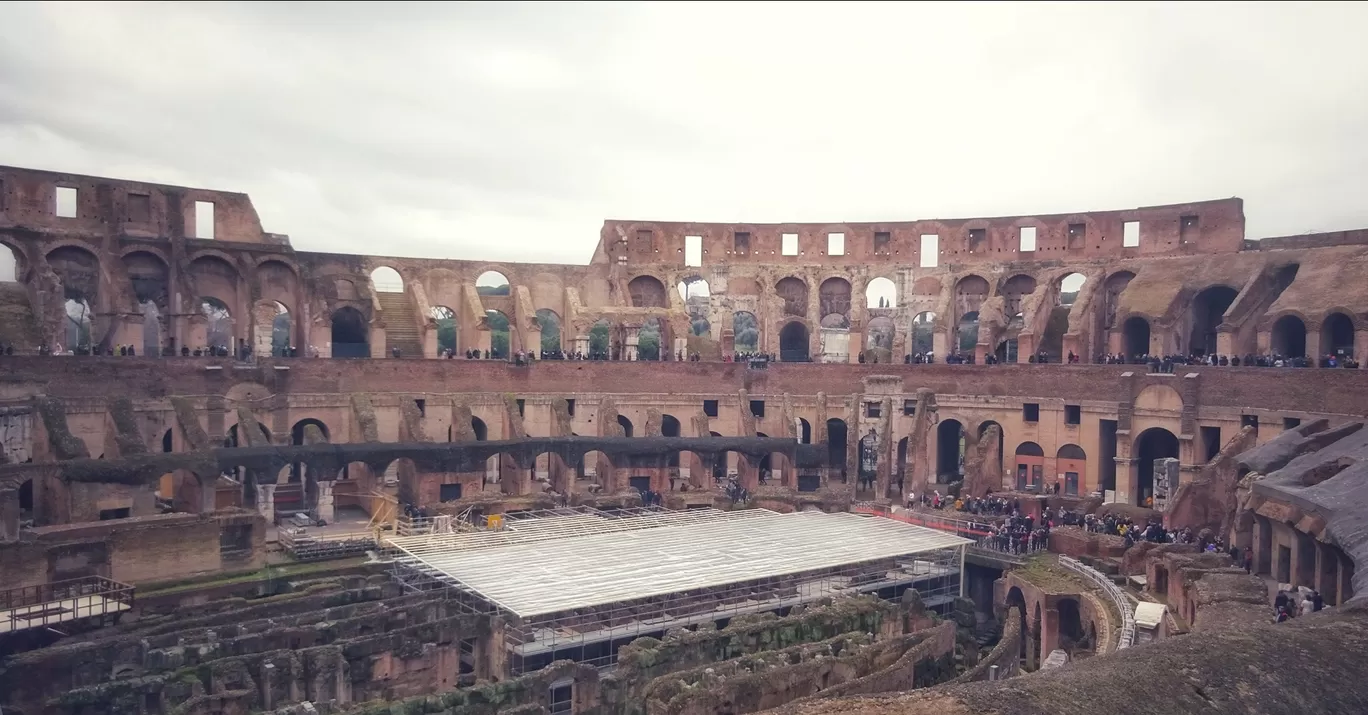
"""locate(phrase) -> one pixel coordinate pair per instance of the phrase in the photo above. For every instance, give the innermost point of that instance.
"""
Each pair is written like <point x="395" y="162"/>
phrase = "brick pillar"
<point x="324" y="508"/>
<point x="208" y="494"/>
<point x="265" y="499"/>
<point x="1049" y="632"/>
<point x="9" y="515"/>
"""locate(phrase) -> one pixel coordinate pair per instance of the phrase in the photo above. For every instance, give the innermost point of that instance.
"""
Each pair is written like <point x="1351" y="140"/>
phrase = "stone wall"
<point x="1006" y="655"/>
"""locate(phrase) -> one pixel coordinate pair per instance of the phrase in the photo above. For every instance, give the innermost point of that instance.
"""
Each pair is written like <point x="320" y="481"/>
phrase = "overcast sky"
<point x="510" y="131"/>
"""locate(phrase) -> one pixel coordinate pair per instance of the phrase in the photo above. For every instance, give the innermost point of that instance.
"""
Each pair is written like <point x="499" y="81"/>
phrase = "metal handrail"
<point x="1099" y="579"/>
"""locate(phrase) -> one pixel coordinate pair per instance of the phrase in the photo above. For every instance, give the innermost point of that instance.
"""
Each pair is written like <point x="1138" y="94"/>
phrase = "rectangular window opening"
<point x="204" y="219"/>
<point x="522" y="407"/>
<point x="1030" y="412"/>
<point x="111" y="514"/>
<point x="710" y="408"/>
<point x="909" y="407"/>
<point x="570" y="407"/>
<point x="422" y="406"/>
<point x="881" y="241"/>
<point x="1291" y="423"/>
<point x="448" y="492"/>
<point x="977" y="236"/>
<point x="741" y="243"/>
<point x="930" y="250"/>
<point x="1250" y="421"/>
<point x="139" y="208"/>
<point x="66" y="202"/>
<point x="1211" y="442"/>
<point x="872" y="409"/>
<point x="1130" y="234"/>
<point x="1073" y="414"/>
<point x="758" y="408"/>
<point x="789" y="244"/>
<point x="693" y="251"/>
<point x="1188" y="229"/>
<point x="835" y="244"/>
<point x="1028" y="238"/>
<point x="1078" y="233"/>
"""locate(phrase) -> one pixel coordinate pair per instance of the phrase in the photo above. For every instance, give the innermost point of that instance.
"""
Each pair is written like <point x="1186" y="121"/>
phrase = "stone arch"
<point x="601" y="340"/>
<point x="804" y="431"/>
<point x="1029" y="459"/>
<point x="1206" y="313"/>
<point x="1289" y="337"/>
<point x="794" y="342"/>
<point x="1017" y="600"/>
<point x="1135" y="337"/>
<point x="652" y="340"/>
<point x="1072" y="462"/>
<point x="966" y="333"/>
<point x="215" y="274"/>
<point x="1159" y="398"/>
<point x="1001" y="440"/>
<point x="149" y="279"/>
<point x="881" y="293"/>
<point x="1069" y="286"/>
<point x="595" y="467"/>
<point x="647" y="291"/>
<point x="833" y="298"/>
<point x="970" y="292"/>
<point x="1014" y="291"/>
<point x="550" y="323"/>
<point x="218" y="329"/>
<point x="1337" y="335"/>
<point x="13" y="265"/>
<point x="626" y="425"/>
<point x="387" y="280"/>
<point x="745" y="332"/>
<point x="794" y="294"/>
<point x="282" y="328"/>
<point x="500" y="334"/>
<point x="950" y="446"/>
<point x="232" y="439"/>
<point x="79" y="271"/>
<point x="923" y="333"/>
<point x="447" y="330"/>
<point x="1112" y="288"/>
<point x="1071" y="633"/>
<point x="879" y="334"/>
<point x="1154" y="443"/>
<point x="350" y="334"/>
<point x="670" y="427"/>
<point x="838" y="436"/>
<point x="493" y="283"/>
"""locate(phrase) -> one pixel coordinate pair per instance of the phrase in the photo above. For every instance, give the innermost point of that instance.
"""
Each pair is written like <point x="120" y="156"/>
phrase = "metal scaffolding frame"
<point x="579" y="583"/>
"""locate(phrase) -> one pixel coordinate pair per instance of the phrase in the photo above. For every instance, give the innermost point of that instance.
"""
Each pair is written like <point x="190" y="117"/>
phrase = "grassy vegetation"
<point x="1044" y="571"/>
<point x="287" y="570"/>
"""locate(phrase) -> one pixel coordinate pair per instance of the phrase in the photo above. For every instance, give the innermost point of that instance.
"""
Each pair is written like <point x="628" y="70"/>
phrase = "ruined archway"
<point x="1289" y="337"/>
<point x="1135" y="337"/>
<point x="804" y="431"/>
<point x="79" y="326"/>
<point x="1016" y="599"/>
<point x="949" y="451"/>
<point x="282" y="329"/>
<point x="1337" y="336"/>
<point x="550" y="323"/>
<point x="833" y="298"/>
<point x="649" y="341"/>
<point x="1071" y="634"/>
<point x="446" y="328"/>
<point x="493" y="284"/>
<point x="647" y="292"/>
<point x="967" y="333"/>
<point x="696" y="294"/>
<point x="1207" y="313"/>
<point x="1069" y="286"/>
<point x="1000" y="464"/>
<point x="669" y="427"/>
<point x="745" y="332"/>
<point x="1111" y="291"/>
<point x="881" y="293"/>
<point x="879" y="334"/>
<point x="970" y="292"/>
<point x="923" y="340"/>
<point x="1014" y="291"/>
<point x="304" y="432"/>
<point x="794" y="294"/>
<point x="499" y="336"/>
<point x="837" y="436"/>
<point x="218" y="328"/>
<point x="350" y="334"/>
<point x="626" y="425"/>
<point x="600" y="340"/>
<point x="149" y="278"/>
<point x="1154" y="443"/>
<point x="387" y="280"/>
<point x="11" y="266"/>
<point x="793" y="343"/>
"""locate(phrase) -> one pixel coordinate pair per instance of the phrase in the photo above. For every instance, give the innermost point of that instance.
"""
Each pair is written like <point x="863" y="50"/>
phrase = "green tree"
<point x="598" y="340"/>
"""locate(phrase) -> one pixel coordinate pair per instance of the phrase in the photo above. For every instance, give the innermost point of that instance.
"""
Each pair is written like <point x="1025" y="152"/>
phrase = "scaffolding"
<point x="577" y="583"/>
<point x="63" y="603"/>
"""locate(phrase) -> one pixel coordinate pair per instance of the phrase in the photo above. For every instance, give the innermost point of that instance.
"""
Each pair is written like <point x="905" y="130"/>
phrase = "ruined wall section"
<point x="411" y="422"/>
<point x="61" y="443"/>
<point x="1208" y="501"/>
<point x="364" y="426"/>
<point x="187" y="419"/>
<point x="124" y="439"/>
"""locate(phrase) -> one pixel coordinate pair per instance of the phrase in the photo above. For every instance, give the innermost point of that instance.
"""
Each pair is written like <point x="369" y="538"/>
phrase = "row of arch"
<point x="1287" y="337"/>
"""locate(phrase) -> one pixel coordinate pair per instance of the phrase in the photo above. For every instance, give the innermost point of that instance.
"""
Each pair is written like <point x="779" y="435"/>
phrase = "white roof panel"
<point x="574" y="562"/>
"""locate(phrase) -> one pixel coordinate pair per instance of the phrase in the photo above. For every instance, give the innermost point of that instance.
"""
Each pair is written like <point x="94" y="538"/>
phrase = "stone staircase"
<point x="401" y="325"/>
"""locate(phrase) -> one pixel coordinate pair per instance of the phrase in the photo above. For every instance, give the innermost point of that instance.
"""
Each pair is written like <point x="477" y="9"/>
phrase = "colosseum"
<point x="1095" y="462"/>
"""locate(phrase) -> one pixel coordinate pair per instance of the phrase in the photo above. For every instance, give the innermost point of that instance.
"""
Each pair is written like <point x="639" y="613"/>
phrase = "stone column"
<point x="9" y="515"/>
<point x="582" y="344"/>
<point x="631" y="341"/>
<point x="208" y="493"/>
<point x="324" y="508"/>
<point x="1049" y="632"/>
<point x="265" y="499"/>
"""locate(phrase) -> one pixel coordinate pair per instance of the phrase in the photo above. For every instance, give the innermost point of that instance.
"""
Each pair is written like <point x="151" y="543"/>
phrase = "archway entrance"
<point x="1208" y="311"/>
<point x="1289" y="337"/>
<point x="1154" y="443"/>
<point x="836" y="446"/>
<point x="793" y="343"/>
<point x="1136" y="337"/>
<point x="949" y="451"/>
<point x="1337" y="336"/>
<point x="350" y="336"/>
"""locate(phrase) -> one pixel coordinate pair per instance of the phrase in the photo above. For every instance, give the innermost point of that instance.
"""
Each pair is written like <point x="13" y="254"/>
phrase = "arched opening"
<point x="836" y="445"/>
<point x="881" y="293"/>
<point x="1111" y="290"/>
<point x="1030" y="467"/>
<point x="793" y="343"/>
<point x="804" y="431"/>
<point x="1135" y="335"/>
<point x="78" y="325"/>
<point x="649" y="341"/>
<point x="350" y="336"/>
<point x="600" y="340"/>
<point x="281" y="329"/>
<point x="446" y="328"/>
<point x="967" y="332"/>
<point x="669" y="427"/>
<point x="166" y="442"/>
<point x="10" y="270"/>
<point x="499" y="347"/>
<point x="1069" y="286"/>
<point x="492" y="283"/>
<point x="794" y="293"/>
<point x="387" y="280"/>
<point x="218" y="331"/>
<point x="626" y="425"/>
<point x="879" y="336"/>
<point x="1001" y="438"/>
<point x="1072" y="462"/>
<point x="306" y="431"/>
<point x="1208" y="312"/>
<point x="1289" y="337"/>
<point x="1154" y="443"/>
<point x="149" y="278"/>
<point x="1337" y="335"/>
<point x="1071" y="636"/>
<point x="550" y="323"/>
<point x="697" y="300"/>
<point x="1016" y="599"/>
<point x="833" y="299"/>
<point x="900" y="465"/>
<point x="647" y="292"/>
<point x="949" y="451"/>
<point x="745" y="332"/>
<point x="1035" y="636"/>
<point x="924" y="333"/>
<point x="480" y="429"/>
<point x="594" y="466"/>
<point x="232" y="440"/>
<point x="1014" y="291"/>
<point x="26" y="501"/>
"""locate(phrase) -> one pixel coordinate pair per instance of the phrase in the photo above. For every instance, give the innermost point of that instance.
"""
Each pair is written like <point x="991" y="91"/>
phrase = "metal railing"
<point x="984" y="539"/>
<point x="62" y="601"/>
<point x="1113" y="592"/>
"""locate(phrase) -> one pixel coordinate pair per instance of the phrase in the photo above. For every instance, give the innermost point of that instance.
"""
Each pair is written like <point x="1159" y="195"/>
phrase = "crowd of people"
<point x="1167" y="363"/>
<point x="1297" y="602"/>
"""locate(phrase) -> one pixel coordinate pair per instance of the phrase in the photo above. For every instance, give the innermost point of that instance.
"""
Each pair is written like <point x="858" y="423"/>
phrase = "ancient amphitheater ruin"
<point x="1098" y="462"/>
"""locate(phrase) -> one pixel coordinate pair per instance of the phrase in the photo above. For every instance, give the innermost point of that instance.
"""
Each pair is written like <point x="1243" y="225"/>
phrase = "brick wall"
<point x="1305" y="390"/>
